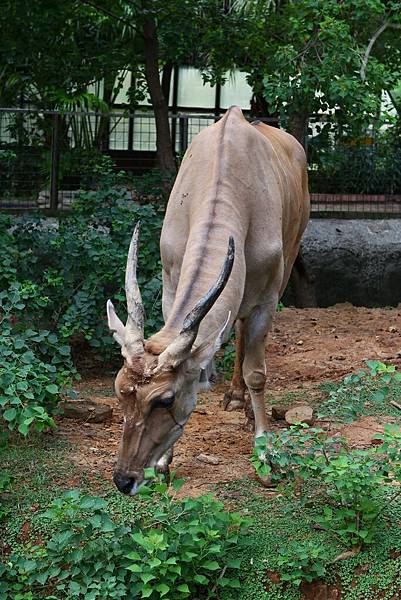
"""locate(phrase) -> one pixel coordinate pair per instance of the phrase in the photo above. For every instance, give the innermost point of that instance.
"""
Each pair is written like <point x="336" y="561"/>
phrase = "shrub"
<point x="360" y="392"/>
<point x="181" y="548"/>
<point x="56" y="299"/>
<point x="34" y="366"/>
<point x="351" y="480"/>
<point x="6" y="480"/>
<point x="80" y="262"/>
<point x="291" y="452"/>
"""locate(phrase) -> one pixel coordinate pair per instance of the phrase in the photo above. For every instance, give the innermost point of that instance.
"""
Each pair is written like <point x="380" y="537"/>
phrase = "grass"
<point x="278" y="520"/>
<point x="275" y="521"/>
<point x="42" y="470"/>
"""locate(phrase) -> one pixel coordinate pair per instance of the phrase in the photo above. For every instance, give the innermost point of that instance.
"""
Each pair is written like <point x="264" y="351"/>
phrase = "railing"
<point x="46" y="157"/>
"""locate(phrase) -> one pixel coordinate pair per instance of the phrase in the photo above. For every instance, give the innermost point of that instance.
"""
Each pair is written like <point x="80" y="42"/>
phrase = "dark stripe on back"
<point x="202" y="250"/>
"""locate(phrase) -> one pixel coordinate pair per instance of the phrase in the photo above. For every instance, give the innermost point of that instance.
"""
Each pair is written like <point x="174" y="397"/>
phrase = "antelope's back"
<point x="249" y="181"/>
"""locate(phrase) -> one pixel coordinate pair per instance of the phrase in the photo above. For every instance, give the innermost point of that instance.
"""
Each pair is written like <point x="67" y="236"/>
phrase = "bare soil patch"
<point x="306" y="347"/>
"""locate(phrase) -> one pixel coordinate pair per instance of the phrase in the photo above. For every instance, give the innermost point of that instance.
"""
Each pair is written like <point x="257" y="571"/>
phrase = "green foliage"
<point x="34" y="367"/>
<point x="226" y="358"/>
<point x="302" y="561"/>
<point x="71" y="46"/>
<point x="361" y="392"/>
<point x="290" y="453"/>
<point x="353" y="483"/>
<point x="180" y="548"/>
<point x="351" y="480"/>
<point x="349" y="166"/>
<point x="56" y="298"/>
<point x="316" y="65"/>
<point x="276" y="523"/>
<point x="78" y="263"/>
<point x="6" y="480"/>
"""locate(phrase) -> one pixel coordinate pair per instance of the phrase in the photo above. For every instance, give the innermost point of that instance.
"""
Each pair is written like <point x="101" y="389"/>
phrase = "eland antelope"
<point x="231" y="233"/>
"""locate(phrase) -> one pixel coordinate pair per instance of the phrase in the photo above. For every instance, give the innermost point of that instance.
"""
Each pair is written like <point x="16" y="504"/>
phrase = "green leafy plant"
<point x="55" y="300"/>
<point x="35" y="368"/>
<point x="359" y="392"/>
<point x="292" y="452"/>
<point x="353" y="485"/>
<point x="352" y="481"/>
<point x="172" y="552"/>
<point x="226" y="358"/>
<point x="302" y="561"/>
<point x="6" y="480"/>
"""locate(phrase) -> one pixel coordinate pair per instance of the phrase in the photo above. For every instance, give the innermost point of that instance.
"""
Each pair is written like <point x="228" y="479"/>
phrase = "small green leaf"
<point x="162" y="588"/>
<point x="10" y="414"/>
<point x="52" y="388"/>
<point x="211" y="565"/>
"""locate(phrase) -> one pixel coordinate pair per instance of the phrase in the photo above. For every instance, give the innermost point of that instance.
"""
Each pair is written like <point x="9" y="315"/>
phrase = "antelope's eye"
<point x="164" y="401"/>
<point x="127" y="391"/>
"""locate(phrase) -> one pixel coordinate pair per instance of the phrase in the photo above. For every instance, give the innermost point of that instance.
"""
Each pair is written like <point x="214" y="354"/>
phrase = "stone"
<point x="86" y="410"/>
<point x="299" y="414"/>
<point x="209" y="459"/>
<point x="360" y="265"/>
<point x="278" y="411"/>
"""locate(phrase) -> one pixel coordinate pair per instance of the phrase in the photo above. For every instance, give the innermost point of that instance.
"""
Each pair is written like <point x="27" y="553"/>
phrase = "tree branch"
<point x="109" y="13"/>
<point x="385" y="25"/>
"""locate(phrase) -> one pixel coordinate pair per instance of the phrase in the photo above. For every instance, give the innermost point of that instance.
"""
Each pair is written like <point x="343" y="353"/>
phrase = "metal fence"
<point x="47" y="157"/>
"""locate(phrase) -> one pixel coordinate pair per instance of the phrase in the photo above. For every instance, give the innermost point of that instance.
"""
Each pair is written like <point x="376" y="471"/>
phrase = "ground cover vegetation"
<point x="333" y="520"/>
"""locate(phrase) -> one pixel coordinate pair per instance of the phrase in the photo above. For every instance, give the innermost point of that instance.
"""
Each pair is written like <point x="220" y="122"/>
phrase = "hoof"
<point x="164" y="471"/>
<point x="266" y="481"/>
<point x="233" y="401"/>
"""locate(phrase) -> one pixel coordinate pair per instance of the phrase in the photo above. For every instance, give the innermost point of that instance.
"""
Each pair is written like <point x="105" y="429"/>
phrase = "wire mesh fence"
<point x="47" y="157"/>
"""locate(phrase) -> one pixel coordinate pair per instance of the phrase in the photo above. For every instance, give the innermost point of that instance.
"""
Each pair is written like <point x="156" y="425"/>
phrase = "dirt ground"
<point x="306" y="347"/>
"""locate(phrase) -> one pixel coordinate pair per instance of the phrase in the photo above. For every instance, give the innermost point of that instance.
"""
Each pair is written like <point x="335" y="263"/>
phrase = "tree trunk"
<point x="160" y="106"/>
<point x="166" y="80"/>
<point x="298" y="125"/>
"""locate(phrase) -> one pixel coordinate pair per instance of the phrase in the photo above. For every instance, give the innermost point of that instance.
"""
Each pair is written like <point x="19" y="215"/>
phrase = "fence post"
<point x="54" y="169"/>
<point x="183" y="133"/>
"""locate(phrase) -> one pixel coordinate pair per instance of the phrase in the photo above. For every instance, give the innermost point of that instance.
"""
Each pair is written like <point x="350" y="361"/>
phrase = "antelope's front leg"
<point x="163" y="464"/>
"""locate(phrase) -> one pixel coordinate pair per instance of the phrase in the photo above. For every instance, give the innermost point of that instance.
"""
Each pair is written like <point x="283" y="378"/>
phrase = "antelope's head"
<point x="158" y="392"/>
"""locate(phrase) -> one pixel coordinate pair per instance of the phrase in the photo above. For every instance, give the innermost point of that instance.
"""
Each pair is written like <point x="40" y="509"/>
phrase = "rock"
<point x="86" y="410"/>
<point x="278" y="412"/>
<point x="209" y="459"/>
<point x="360" y="266"/>
<point x="299" y="414"/>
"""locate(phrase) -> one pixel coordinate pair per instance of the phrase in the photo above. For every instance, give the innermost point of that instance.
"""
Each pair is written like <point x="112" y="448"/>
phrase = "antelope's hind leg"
<point x="234" y="399"/>
<point x="256" y="329"/>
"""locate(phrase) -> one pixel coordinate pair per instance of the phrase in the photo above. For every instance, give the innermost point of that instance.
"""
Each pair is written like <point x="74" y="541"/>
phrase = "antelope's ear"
<point x="115" y="325"/>
<point x="203" y="354"/>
